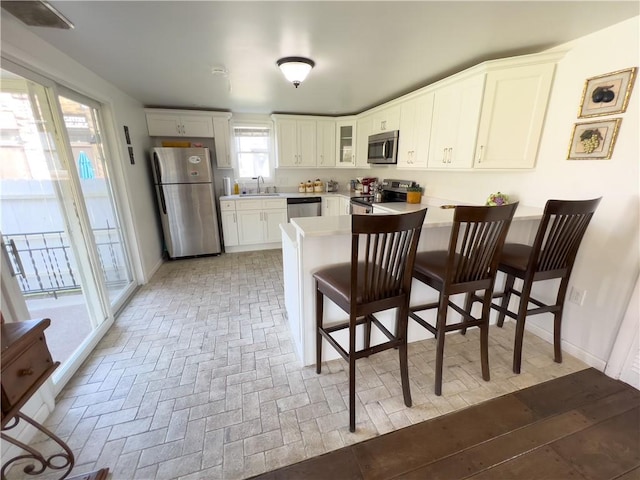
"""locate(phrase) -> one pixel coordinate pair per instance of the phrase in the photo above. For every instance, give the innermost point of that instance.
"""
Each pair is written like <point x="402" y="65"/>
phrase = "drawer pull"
<point x="25" y="372"/>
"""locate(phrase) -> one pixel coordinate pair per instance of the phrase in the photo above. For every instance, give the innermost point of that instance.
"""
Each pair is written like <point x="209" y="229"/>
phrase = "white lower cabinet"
<point x="259" y="220"/>
<point x="229" y="222"/>
<point x="272" y="220"/>
<point x="334" y="206"/>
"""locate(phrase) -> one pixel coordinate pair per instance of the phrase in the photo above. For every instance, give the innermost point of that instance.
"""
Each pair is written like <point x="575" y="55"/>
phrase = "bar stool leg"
<point x="352" y="373"/>
<point x="441" y="322"/>
<point x="468" y="305"/>
<point x="402" y="317"/>
<point x="484" y="335"/>
<point x="319" y="313"/>
<point x="557" y="319"/>
<point x="508" y="288"/>
<point x="520" y="321"/>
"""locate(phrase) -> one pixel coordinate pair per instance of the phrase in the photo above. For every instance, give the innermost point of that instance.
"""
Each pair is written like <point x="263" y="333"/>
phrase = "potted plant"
<point x="414" y="194"/>
<point x="497" y="199"/>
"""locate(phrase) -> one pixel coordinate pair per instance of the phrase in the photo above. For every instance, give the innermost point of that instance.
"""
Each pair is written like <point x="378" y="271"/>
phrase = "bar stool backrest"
<point x="559" y="235"/>
<point x="476" y="241"/>
<point x="383" y="251"/>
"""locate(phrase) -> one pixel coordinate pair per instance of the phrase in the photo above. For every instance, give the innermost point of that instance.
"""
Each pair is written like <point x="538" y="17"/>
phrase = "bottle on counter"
<point x="302" y="187"/>
<point x="236" y="188"/>
<point x="309" y="186"/>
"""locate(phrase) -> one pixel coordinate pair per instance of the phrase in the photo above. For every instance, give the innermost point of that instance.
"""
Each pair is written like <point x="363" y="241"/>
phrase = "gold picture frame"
<point x="593" y="140"/>
<point x="607" y="94"/>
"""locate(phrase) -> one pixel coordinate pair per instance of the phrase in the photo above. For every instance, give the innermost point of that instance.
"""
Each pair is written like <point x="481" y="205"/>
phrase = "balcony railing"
<point x="44" y="262"/>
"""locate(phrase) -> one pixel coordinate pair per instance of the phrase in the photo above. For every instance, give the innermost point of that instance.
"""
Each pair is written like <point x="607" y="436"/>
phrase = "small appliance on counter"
<point x="332" y="186"/>
<point x="388" y="191"/>
<point x="367" y="183"/>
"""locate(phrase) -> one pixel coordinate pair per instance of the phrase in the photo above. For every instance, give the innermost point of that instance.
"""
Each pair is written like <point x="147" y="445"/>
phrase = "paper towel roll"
<point x="226" y="185"/>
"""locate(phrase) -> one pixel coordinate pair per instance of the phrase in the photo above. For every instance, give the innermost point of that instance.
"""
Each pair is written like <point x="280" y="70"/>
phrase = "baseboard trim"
<point x="568" y="347"/>
<point x="253" y="248"/>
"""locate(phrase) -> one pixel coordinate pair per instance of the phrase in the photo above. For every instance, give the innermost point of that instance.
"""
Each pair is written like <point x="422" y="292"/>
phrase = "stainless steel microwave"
<point x="383" y="148"/>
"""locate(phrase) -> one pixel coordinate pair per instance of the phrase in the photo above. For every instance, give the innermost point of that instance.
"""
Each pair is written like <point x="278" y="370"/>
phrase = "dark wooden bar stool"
<point x="383" y="249"/>
<point x="552" y="255"/>
<point x="469" y="265"/>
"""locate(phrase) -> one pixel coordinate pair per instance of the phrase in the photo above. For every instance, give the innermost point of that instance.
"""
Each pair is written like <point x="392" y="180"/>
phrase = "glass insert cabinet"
<point x="346" y="154"/>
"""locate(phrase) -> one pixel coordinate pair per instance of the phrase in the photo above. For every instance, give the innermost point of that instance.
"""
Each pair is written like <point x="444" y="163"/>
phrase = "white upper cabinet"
<point x="346" y="143"/>
<point x="415" y="131"/>
<point x="456" y="110"/>
<point x="363" y="130"/>
<point x="385" y="120"/>
<point x="513" y="112"/>
<point x="193" y="124"/>
<point x="296" y="142"/>
<point x="326" y="143"/>
<point x="179" y="123"/>
<point x="221" y="131"/>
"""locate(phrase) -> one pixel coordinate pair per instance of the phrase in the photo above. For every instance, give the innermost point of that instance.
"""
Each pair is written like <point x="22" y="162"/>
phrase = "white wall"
<point x="135" y="189"/>
<point x="608" y="261"/>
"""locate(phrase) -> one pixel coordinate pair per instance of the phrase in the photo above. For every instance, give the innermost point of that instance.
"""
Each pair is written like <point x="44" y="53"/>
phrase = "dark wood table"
<point x="26" y="365"/>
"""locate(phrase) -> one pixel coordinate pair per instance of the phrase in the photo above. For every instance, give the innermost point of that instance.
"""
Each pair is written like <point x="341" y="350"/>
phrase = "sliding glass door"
<point x="89" y="154"/>
<point x="61" y="233"/>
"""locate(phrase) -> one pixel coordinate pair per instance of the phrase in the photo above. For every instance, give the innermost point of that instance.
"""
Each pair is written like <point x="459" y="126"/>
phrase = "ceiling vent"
<point x="37" y="14"/>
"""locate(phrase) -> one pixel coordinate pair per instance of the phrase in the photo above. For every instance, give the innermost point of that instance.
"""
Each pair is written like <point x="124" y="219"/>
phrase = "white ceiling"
<point x="162" y="52"/>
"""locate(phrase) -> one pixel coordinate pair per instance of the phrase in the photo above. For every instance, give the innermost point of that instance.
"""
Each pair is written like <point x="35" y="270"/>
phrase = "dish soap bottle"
<point x="236" y="188"/>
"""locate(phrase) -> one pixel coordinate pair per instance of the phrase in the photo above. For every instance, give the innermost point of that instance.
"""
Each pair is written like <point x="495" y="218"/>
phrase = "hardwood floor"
<point x="581" y="426"/>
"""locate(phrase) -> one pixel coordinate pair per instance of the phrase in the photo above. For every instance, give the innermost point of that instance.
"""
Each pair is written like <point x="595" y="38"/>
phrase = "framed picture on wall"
<point x="607" y="94"/>
<point x="593" y="140"/>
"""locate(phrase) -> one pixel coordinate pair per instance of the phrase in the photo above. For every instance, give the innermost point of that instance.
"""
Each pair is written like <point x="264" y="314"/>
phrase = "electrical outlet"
<point x="577" y="296"/>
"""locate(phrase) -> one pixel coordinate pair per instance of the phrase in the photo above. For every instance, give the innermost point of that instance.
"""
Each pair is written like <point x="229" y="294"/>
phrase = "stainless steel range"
<point x="390" y="190"/>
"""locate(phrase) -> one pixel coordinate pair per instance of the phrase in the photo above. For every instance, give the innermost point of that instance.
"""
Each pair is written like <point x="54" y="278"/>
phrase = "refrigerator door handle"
<point x="163" y="203"/>
<point x="156" y="165"/>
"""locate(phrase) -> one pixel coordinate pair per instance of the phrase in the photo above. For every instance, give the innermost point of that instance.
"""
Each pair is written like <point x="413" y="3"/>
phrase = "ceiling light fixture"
<point x="295" y="69"/>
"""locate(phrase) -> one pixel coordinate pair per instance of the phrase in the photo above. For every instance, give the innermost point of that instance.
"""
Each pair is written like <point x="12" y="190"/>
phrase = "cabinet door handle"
<point x="450" y="154"/>
<point x="235" y="219"/>
<point x="25" y="372"/>
<point x="480" y="153"/>
<point x="444" y="155"/>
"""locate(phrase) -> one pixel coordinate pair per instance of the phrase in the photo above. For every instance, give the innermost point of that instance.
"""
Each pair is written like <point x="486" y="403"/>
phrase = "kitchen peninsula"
<point x="309" y="244"/>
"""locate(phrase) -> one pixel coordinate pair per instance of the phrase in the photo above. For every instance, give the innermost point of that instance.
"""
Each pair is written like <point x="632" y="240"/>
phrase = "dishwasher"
<point x="303" y="207"/>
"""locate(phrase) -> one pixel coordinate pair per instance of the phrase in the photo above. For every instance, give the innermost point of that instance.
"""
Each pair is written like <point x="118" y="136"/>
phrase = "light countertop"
<point x="436" y="217"/>
<point x="285" y="195"/>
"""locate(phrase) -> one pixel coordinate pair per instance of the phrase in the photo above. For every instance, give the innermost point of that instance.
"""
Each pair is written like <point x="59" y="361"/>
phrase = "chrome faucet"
<point x="258" y="178"/>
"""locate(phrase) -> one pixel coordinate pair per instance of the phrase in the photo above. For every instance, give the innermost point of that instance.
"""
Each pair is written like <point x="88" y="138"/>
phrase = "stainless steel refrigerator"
<point x="183" y="180"/>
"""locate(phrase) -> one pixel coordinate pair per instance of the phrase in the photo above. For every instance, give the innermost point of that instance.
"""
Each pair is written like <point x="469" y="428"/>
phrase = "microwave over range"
<point x="383" y="148"/>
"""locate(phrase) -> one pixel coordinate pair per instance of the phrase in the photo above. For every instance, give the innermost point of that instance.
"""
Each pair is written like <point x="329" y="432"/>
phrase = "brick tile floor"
<point x="197" y="379"/>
